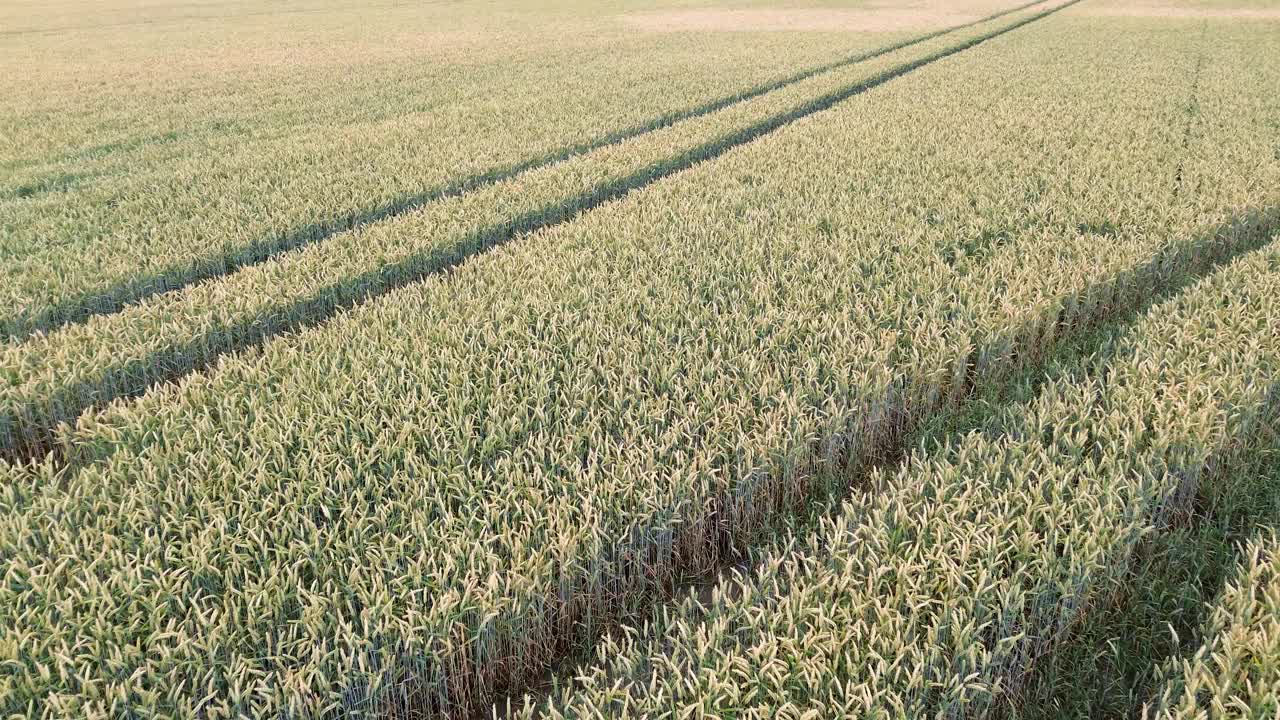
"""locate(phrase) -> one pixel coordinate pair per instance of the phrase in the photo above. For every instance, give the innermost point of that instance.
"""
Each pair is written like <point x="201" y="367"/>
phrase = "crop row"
<point x="1236" y="671"/>
<point x="56" y="377"/>
<point x="430" y="497"/>
<point x="931" y="594"/>
<point x="236" y="197"/>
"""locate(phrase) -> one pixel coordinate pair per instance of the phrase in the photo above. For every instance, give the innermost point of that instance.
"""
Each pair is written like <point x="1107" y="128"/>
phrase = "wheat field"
<point x="640" y="359"/>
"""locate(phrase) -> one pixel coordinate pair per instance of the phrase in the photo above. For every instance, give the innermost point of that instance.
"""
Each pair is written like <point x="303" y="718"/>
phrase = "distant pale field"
<point x="874" y="16"/>
<point x="1204" y="9"/>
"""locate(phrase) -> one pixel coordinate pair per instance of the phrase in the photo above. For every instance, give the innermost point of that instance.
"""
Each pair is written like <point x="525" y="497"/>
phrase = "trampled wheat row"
<point x="1236" y="671"/>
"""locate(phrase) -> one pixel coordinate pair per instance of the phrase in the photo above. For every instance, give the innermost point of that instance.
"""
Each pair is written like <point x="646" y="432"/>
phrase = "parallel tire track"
<point x="29" y="430"/>
<point x="707" y="546"/>
<point x="133" y="290"/>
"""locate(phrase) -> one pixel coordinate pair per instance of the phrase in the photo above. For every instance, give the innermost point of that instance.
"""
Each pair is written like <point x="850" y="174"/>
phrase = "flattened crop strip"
<point x="1235" y="673"/>
<point x="1116" y="660"/>
<point x="1193" y="103"/>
